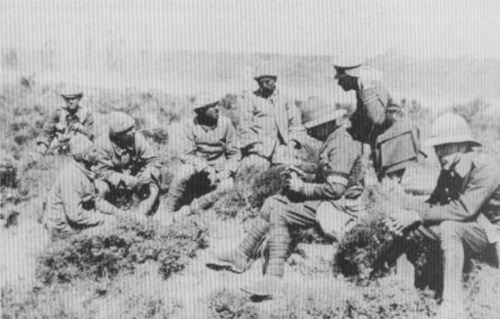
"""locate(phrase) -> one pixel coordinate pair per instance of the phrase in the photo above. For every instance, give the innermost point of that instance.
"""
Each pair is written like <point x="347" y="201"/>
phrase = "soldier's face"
<point x="321" y="132"/>
<point x="446" y="154"/>
<point x="212" y="112"/>
<point x="72" y="105"/>
<point x="267" y="83"/>
<point x="346" y="82"/>
<point x="92" y="156"/>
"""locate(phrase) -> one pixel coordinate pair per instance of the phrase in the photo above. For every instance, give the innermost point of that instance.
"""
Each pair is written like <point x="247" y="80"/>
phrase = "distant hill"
<point x="434" y="82"/>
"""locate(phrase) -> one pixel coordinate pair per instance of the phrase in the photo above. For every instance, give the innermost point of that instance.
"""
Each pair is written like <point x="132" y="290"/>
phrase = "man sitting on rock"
<point x="65" y="123"/>
<point x="72" y="204"/>
<point x="128" y="164"/>
<point x="210" y="152"/>
<point x="332" y="197"/>
<point x="463" y="212"/>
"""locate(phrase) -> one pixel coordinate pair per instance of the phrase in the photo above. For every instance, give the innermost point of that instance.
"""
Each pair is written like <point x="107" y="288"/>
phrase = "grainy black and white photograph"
<point x="281" y="159"/>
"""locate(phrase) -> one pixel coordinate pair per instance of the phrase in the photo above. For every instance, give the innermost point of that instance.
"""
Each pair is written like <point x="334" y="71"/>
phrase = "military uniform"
<point x="339" y="181"/>
<point x="138" y="159"/>
<point x="72" y="203"/>
<point x="268" y="124"/>
<point x="61" y="126"/>
<point x="378" y="122"/>
<point x="205" y="146"/>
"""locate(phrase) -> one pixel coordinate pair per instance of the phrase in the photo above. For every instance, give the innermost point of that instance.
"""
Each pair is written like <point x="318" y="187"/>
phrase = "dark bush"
<point x="120" y="250"/>
<point x="226" y="305"/>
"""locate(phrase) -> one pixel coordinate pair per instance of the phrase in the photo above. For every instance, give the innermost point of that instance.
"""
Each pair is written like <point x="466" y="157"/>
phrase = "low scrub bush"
<point x="120" y="250"/>
<point x="227" y="305"/>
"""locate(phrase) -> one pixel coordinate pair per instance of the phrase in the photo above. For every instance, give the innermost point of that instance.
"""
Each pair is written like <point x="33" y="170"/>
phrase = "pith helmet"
<point x="71" y="92"/>
<point x="205" y="99"/>
<point x="266" y="69"/>
<point x="316" y="112"/>
<point x="349" y="64"/>
<point x="79" y="144"/>
<point x="120" y="122"/>
<point x="450" y="128"/>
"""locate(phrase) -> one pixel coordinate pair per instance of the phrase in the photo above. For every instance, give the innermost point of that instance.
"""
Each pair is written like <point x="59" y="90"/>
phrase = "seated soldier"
<point x="127" y="164"/>
<point x="66" y="122"/>
<point x="210" y="152"/>
<point x="463" y="212"/>
<point x="72" y="204"/>
<point x="333" y="199"/>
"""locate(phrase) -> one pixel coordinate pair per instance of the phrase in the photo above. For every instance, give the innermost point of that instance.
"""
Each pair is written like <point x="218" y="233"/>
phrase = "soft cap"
<point x="120" y="122"/>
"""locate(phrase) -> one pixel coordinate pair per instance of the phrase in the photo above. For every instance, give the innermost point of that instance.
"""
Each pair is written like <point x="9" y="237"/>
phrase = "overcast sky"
<point x="417" y="28"/>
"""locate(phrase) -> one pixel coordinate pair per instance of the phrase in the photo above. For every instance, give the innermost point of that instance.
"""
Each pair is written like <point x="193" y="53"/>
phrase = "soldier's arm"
<point x="189" y="151"/>
<point x="248" y="134"/>
<point x="79" y="207"/>
<point x="375" y="109"/>
<point x="104" y="168"/>
<point x="233" y="154"/>
<point x="88" y="126"/>
<point x="296" y="130"/>
<point x="483" y="183"/>
<point x="341" y="161"/>
<point x="148" y="158"/>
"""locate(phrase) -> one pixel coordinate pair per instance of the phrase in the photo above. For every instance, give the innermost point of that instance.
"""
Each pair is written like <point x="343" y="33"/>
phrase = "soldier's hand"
<point x="300" y="173"/>
<point x="77" y="127"/>
<point x="212" y="176"/>
<point x="222" y="176"/>
<point x="294" y="183"/>
<point x="60" y="127"/>
<point x="400" y="222"/>
<point x="130" y="181"/>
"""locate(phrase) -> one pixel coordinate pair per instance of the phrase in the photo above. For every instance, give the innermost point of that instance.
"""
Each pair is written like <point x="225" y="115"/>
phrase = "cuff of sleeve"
<point x="307" y="189"/>
<point x="368" y="95"/>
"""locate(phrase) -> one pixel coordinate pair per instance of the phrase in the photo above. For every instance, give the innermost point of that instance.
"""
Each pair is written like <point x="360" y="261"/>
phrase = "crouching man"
<point x="128" y="164"/>
<point x="72" y="204"/>
<point x="210" y="152"/>
<point x="65" y="123"/>
<point x="332" y="198"/>
<point x="463" y="212"/>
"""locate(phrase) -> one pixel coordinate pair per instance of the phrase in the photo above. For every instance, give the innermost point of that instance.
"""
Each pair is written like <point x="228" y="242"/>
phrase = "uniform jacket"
<point x="71" y="203"/>
<point x="268" y="123"/>
<point x="340" y="163"/>
<point x="65" y="119"/>
<point x="378" y="121"/>
<point x="137" y="159"/>
<point x="210" y="146"/>
<point x="468" y="191"/>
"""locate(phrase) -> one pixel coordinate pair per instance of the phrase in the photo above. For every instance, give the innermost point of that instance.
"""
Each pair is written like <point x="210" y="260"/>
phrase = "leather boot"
<point x="239" y="259"/>
<point x="269" y="287"/>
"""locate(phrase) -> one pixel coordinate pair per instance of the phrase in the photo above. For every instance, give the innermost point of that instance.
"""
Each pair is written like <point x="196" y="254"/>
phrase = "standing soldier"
<point x="333" y="198"/>
<point x="210" y="152"/>
<point x="463" y="212"/>
<point x="66" y="122"/>
<point x="270" y="123"/>
<point x="377" y="120"/>
<point x="73" y="204"/>
<point x="128" y="163"/>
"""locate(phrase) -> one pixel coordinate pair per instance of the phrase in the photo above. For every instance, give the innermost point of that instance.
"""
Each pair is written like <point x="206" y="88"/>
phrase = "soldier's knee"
<point x="185" y="173"/>
<point x="450" y="228"/>
<point x="103" y="188"/>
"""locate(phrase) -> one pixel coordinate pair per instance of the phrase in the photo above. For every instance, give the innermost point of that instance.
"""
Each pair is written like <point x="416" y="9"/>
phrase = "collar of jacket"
<point x="77" y="115"/>
<point x="273" y="97"/>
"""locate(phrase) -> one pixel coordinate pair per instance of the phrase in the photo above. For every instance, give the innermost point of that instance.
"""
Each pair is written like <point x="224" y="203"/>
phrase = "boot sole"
<point x="224" y="266"/>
